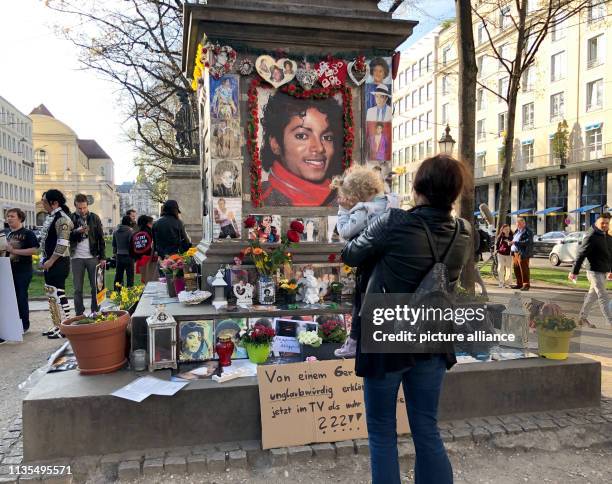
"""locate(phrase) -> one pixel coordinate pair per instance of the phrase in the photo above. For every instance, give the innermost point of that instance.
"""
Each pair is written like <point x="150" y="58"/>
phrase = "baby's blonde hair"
<point x="359" y="183"/>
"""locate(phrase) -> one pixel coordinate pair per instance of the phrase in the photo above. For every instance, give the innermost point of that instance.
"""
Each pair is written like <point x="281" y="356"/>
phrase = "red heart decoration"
<point x="331" y="72"/>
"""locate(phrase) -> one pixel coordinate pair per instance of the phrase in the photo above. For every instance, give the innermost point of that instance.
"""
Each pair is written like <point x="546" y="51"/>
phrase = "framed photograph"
<point x="301" y="146"/>
<point x="378" y="135"/>
<point x="196" y="340"/>
<point x="333" y="237"/>
<point x="224" y="97"/>
<point x="227" y="218"/>
<point x="267" y="228"/>
<point x="313" y="229"/>
<point x="231" y="327"/>
<point x="227" y="178"/>
<point x="286" y="342"/>
<point x="226" y="139"/>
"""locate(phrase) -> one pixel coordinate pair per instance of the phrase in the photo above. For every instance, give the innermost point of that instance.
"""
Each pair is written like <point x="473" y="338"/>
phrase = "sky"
<point x="40" y="68"/>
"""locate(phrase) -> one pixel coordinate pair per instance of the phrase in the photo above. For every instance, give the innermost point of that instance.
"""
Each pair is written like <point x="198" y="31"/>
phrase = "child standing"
<point x="361" y="199"/>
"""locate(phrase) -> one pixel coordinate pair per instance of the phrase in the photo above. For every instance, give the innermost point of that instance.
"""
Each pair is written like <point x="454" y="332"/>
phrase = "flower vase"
<point x="179" y="285"/>
<point x="191" y="281"/>
<point x="265" y="290"/>
<point x="170" y="285"/>
<point x="258" y="354"/>
<point x="224" y="348"/>
<point x="290" y="298"/>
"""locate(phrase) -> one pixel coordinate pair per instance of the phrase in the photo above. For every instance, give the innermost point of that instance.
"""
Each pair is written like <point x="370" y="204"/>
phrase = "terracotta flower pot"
<point x="98" y="347"/>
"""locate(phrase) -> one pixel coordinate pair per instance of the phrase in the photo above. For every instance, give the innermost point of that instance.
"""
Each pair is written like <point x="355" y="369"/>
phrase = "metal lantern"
<point x="515" y="320"/>
<point x="218" y="284"/>
<point x="162" y="339"/>
<point x="446" y="142"/>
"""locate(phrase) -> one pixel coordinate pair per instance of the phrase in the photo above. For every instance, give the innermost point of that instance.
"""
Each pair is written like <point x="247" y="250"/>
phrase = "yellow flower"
<point x="191" y="252"/>
<point x="346" y="269"/>
<point x="292" y="286"/>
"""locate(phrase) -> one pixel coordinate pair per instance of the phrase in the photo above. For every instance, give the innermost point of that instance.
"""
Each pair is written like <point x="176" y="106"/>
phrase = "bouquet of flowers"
<point x="97" y="318"/>
<point x="289" y="286"/>
<point x="310" y="338"/>
<point x="173" y="265"/>
<point x="555" y="323"/>
<point x="188" y="258"/>
<point x="258" y="335"/>
<point x="332" y="331"/>
<point x="268" y="260"/>
<point x="125" y="297"/>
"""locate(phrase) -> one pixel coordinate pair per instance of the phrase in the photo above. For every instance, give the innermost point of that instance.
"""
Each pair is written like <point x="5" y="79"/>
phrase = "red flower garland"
<point x="298" y="92"/>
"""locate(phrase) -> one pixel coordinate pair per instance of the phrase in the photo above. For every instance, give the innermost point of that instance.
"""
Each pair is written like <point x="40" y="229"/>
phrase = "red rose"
<point x="293" y="236"/>
<point x="292" y="87"/>
<point x="250" y="222"/>
<point x="331" y="258"/>
<point x="297" y="226"/>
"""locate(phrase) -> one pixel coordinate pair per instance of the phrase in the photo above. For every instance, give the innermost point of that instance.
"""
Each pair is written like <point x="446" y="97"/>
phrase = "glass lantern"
<point x="515" y="320"/>
<point x="162" y="340"/>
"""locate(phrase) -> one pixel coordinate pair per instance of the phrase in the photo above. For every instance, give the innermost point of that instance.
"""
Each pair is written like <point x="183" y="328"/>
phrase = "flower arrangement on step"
<point x="125" y="297"/>
<point x="173" y="268"/>
<point x="332" y="331"/>
<point x="257" y="341"/>
<point x="289" y="289"/>
<point x="322" y="343"/>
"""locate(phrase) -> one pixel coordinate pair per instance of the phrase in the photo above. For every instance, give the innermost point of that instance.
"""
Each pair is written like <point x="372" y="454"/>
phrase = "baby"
<point x="361" y="199"/>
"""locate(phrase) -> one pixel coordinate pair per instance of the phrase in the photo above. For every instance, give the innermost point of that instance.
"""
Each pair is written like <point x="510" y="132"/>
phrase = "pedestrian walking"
<point x="141" y="250"/>
<point x="22" y="245"/>
<point x="87" y="249"/>
<point x="169" y="235"/>
<point x="55" y="242"/>
<point x="482" y="244"/>
<point x="521" y="250"/>
<point x="437" y="184"/>
<point x="597" y="249"/>
<point x="503" y="244"/>
<point x="122" y="238"/>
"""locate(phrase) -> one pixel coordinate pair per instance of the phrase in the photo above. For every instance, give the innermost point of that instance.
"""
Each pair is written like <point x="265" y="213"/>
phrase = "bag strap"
<point x="432" y="245"/>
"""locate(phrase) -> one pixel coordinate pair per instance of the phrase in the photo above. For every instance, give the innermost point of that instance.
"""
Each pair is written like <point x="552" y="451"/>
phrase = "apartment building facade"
<point x="566" y="83"/>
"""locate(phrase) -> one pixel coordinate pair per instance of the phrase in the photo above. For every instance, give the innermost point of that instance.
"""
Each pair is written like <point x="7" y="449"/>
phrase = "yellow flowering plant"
<point x="125" y="297"/>
<point x="290" y="286"/>
<point x="188" y="258"/>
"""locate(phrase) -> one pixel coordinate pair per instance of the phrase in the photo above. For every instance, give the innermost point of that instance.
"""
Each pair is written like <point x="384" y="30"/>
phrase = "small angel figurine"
<point x="243" y="293"/>
<point x="310" y="285"/>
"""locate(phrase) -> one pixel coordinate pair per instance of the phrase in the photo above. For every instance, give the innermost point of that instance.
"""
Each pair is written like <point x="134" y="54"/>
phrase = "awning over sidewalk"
<point x="584" y="208"/>
<point x="548" y="210"/>
<point x="521" y="211"/>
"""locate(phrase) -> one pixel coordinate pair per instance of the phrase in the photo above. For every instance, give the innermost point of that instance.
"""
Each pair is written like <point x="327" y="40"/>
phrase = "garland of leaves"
<point x="300" y="93"/>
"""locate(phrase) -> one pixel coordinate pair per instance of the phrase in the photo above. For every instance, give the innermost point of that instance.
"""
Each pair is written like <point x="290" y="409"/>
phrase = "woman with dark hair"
<point x="437" y="184"/>
<point x="302" y="150"/>
<point x="379" y="70"/>
<point x="141" y="250"/>
<point x="55" y="241"/>
<point x="122" y="242"/>
<point x="503" y="244"/>
<point x="169" y="235"/>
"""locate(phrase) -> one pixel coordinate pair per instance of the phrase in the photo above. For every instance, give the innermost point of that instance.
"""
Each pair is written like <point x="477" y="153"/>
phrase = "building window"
<point x="40" y="160"/>
<point x="500" y="156"/>
<point x="446" y="54"/>
<point x="480" y="99"/>
<point x="557" y="106"/>
<point x="445" y="113"/>
<point x="413" y="70"/>
<point x="481" y="134"/>
<point x="503" y="56"/>
<point x="557" y="28"/>
<point x="421" y="95"/>
<point x="594" y="54"/>
<point x="480" y="66"/>
<point x="444" y="85"/>
<point x="429" y="62"/>
<point x="406" y="129"/>
<point x="481" y="34"/>
<point x="401" y="157"/>
<point x="504" y="17"/>
<point x="528" y="194"/>
<point x="502" y="88"/>
<point x="429" y="121"/>
<point x="413" y="122"/>
<point x="527" y="152"/>
<point x="594" y="95"/>
<point x="596" y="10"/>
<point x="395" y="133"/>
<point x="429" y="91"/>
<point x="528" y="79"/>
<point x="414" y="153"/>
<point x="414" y="99"/>
<point x="528" y="113"/>
<point x="594" y="142"/>
<point x="557" y="66"/>
<point x="481" y="161"/>
<point x="429" y="147"/>
<point x="502" y="123"/>
<point x="421" y="151"/>
<point x="556" y="196"/>
<point x="421" y="124"/>
<point x="407" y="154"/>
<point x="421" y="67"/>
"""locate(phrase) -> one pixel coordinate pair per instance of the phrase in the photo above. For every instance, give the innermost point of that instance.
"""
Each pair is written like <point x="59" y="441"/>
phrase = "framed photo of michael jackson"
<point x="301" y="148"/>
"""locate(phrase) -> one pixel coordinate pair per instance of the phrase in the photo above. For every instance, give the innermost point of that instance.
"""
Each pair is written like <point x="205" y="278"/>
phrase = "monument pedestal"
<point x="184" y="186"/>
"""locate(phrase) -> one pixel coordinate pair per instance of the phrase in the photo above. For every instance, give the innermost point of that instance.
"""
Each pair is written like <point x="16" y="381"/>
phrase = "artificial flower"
<point x="293" y="236"/>
<point x="258" y="251"/>
<point x="250" y="222"/>
<point x="331" y="258"/>
<point x="297" y="226"/>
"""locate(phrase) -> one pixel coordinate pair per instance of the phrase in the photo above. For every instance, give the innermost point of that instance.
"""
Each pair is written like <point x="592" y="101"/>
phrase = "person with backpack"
<point x="169" y="235"/>
<point x="428" y="230"/>
<point x="141" y="250"/>
<point x="121" y="251"/>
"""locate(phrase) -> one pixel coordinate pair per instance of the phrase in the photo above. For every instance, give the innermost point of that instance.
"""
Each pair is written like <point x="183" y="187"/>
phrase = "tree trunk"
<point x="467" y="122"/>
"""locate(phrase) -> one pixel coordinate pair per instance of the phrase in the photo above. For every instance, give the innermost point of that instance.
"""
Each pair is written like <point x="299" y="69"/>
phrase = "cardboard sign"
<point x="100" y="289"/>
<point x="11" y="328"/>
<point x="310" y="402"/>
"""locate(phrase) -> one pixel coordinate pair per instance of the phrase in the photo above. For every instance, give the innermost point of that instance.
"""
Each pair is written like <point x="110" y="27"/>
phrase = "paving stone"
<point x="578" y="420"/>
<point x="12" y="460"/>
<point x="607" y="416"/>
<point x="237" y="459"/>
<point x="529" y="426"/>
<point x="202" y="449"/>
<point x="49" y="479"/>
<point x="492" y="420"/>
<point x="216" y="461"/>
<point x="175" y="466"/>
<point x="82" y="466"/>
<point x="547" y="424"/>
<point x="132" y="455"/>
<point x="406" y="450"/>
<point x="299" y="453"/>
<point x="461" y="424"/>
<point x="7" y="479"/>
<point x="477" y="422"/>
<point x="324" y="451"/>
<point x="196" y="464"/>
<point x="345" y="447"/>
<point x="278" y="457"/>
<point x="447" y="425"/>
<point x="497" y="429"/>
<point x="227" y="446"/>
<point x="153" y="467"/>
<point x="446" y="435"/>
<point x="179" y="452"/>
<point x="480" y="434"/>
<point x="253" y="450"/>
<point x="155" y="454"/>
<point x="563" y="422"/>
<point x="17" y="452"/>
<point x="597" y="419"/>
<point x="128" y="470"/>
<point x="362" y="446"/>
<point x="461" y="433"/>
<point x="4" y="469"/>
<point x="512" y="428"/>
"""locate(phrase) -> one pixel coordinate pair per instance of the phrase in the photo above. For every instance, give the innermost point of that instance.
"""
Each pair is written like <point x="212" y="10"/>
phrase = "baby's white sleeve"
<point x="351" y="223"/>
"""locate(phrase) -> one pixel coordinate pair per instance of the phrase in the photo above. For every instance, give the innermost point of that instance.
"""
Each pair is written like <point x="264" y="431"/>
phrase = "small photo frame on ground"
<point x="196" y="340"/>
<point x="267" y="228"/>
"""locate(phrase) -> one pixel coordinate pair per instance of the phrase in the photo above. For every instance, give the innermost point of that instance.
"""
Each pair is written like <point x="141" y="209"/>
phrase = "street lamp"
<point x="446" y="143"/>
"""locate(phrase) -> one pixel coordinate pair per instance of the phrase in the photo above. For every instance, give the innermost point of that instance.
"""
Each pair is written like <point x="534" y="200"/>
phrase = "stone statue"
<point x="310" y="285"/>
<point x="185" y="126"/>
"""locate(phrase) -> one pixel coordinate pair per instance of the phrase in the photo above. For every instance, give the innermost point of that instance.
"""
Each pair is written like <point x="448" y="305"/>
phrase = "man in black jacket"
<point x="169" y="235"/>
<point x="86" y="251"/>
<point x="522" y="251"/>
<point x="597" y="248"/>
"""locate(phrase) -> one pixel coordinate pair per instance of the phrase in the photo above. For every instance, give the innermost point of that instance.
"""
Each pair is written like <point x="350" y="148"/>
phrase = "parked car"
<point x="543" y="244"/>
<point x="566" y="251"/>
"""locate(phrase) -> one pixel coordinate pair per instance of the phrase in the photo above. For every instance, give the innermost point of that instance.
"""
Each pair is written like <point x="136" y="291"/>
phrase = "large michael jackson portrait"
<point x="301" y="148"/>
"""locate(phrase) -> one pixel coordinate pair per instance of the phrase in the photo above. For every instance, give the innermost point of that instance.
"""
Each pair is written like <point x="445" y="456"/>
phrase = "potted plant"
<point x="554" y="334"/>
<point x="288" y="288"/>
<point x="336" y="291"/>
<point x="332" y="335"/>
<point x="173" y="268"/>
<point x="267" y="261"/>
<point x="126" y="298"/>
<point x="98" y="341"/>
<point x="190" y="271"/>
<point x="257" y="342"/>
